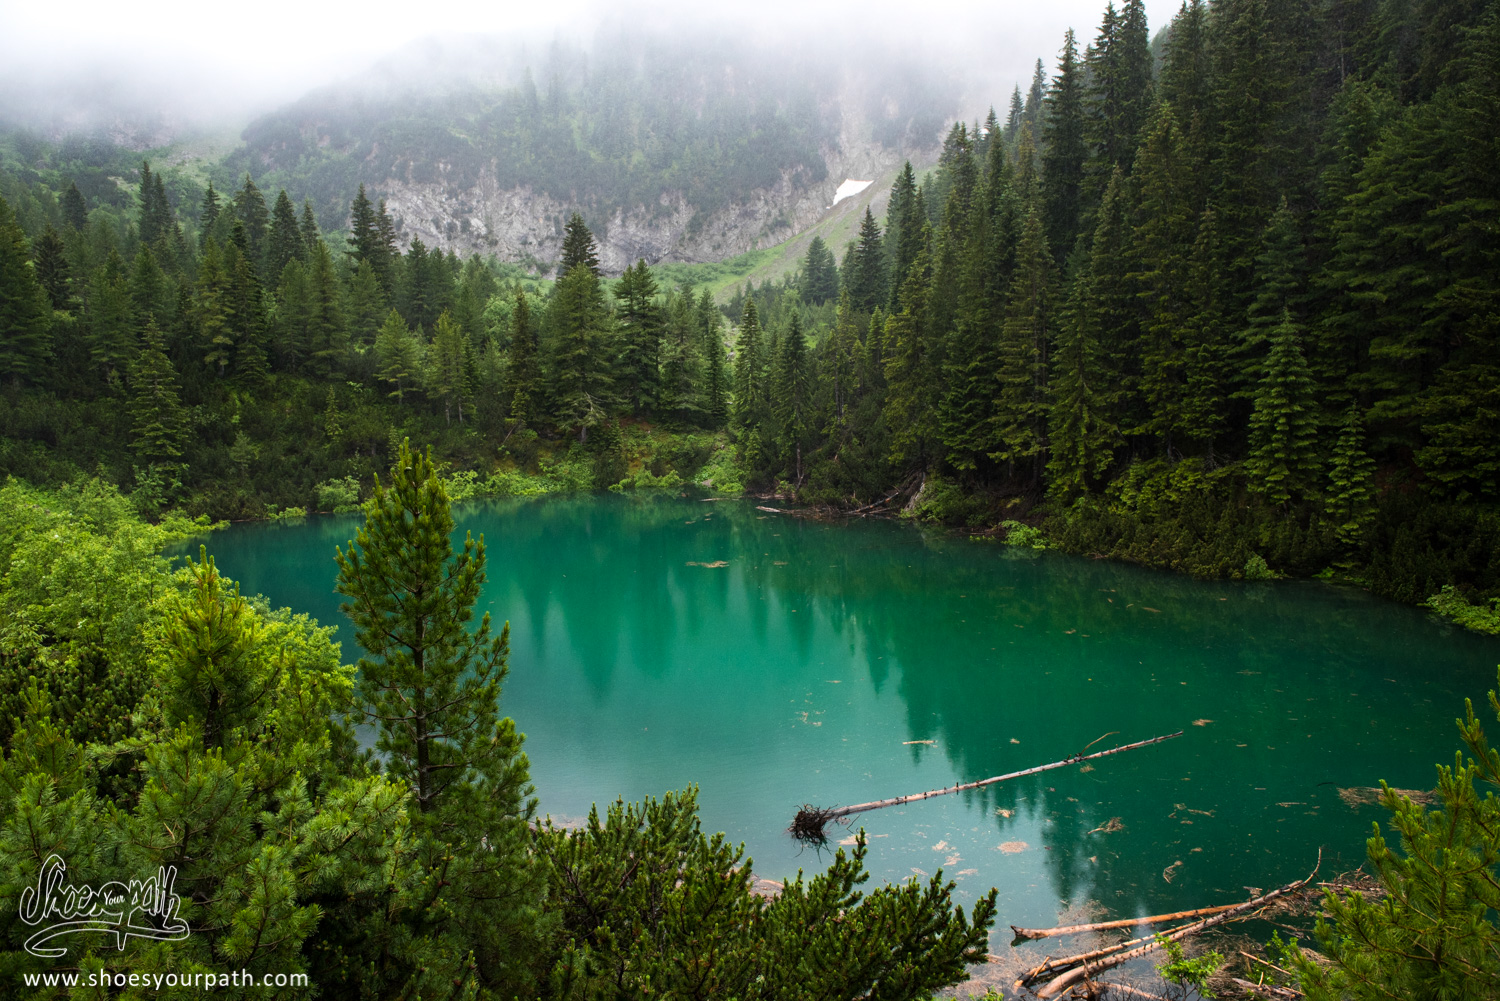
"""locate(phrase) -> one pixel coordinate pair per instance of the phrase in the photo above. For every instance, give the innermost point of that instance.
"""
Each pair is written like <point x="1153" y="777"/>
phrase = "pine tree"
<point x="250" y="208"/>
<point x="326" y="330"/>
<point x="793" y="397"/>
<point x="1065" y="152"/>
<point x="580" y="366"/>
<point x="905" y="216"/>
<point x="748" y="387"/>
<point x="1162" y="241"/>
<point x="247" y="320"/>
<point x="53" y="272"/>
<point x="284" y="241"/>
<point x="398" y="356"/>
<point x="1283" y="460"/>
<point x="640" y="338"/>
<point x="913" y="368"/>
<point x="208" y="215"/>
<point x="158" y="419"/>
<point x="819" y="281"/>
<point x="367" y="304"/>
<point x="75" y="211"/>
<point x="1025" y="340"/>
<point x="430" y="685"/>
<point x="213" y="309"/>
<point x="578" y="248"/>
<point x="1035" y="98"/>
<point x="308" y="228"/>
<point x="1185" y="73"/>
<point x="716" y="390"/>
<point x="1013" y="117"/>
<point x="1081" y="436"/>
<point x="1350" y="500"/>
<point x="24" y="312"/>
<point x="156" y="216"/>
<point x="525" y="377"/>
<point x="112" y="332"/>
<point x="447" y="371"/>
<point x="868" y="288"/>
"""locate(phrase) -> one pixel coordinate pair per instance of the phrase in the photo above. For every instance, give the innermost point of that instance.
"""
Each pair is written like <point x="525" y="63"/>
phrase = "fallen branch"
<point x="1130" y="992"/>
<point x="1022" y="934"/>
<point x="1061" y="963"/>
<point x="1059" y="984"/>
<point x="1267" y="990"/>
<point x="810" y="820"/>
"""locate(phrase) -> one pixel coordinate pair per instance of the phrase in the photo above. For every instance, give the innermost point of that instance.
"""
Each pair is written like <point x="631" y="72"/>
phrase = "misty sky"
<point x="206" y="60"/>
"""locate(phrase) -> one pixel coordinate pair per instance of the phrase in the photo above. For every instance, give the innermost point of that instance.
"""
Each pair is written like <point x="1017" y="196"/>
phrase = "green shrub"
<point x="339" y="496"/>
<point x="1021" y="534"/>
<point x="1451" y="604"/>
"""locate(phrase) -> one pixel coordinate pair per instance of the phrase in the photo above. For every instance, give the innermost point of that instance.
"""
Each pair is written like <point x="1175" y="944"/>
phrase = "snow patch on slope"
<point x="849" y="189"/>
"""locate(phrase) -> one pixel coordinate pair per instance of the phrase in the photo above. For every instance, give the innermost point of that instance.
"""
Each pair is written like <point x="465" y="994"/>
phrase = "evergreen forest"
<point x="1225" y="301"/>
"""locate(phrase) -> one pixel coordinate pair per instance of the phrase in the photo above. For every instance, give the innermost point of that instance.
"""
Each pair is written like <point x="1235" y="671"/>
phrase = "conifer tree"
<point x="868" y="288"/>
<point x="250" y="208"/>
<point x="748" y="387"/>
<point x="1065" y="152"/>
<point x="112" y="333"/>
<point x="820" y="276"/>
<point x="247" y="324"/>
<point x="430" y="685"/>
<point x="447" y="370"/>
<point x="1035" y="99"/>
<point x="1350" y="500"/>
<point x="53" y="272"/>
<point x="284" y="240"/>
<point x="792" y="400"/>
<point x="308" y="228"/>
<point x="327" y="332"/>
<point x="1283" y="460"/>
<point x="158" y="420"/>
<point x="640" y="338"/>
<point x="149" y="296"/>
<point x="1025" y="340"/>
<point x="24" y="312"/>
<point x="1185" y="72"/>
<point x="525" y="378"/>
<point x="716" y="390"/>
<point x="577" y="325"/>
<point x="913" y="368"/>
<point x="398" y="356"/>
<point x="1081" y="436"/>
<point x="213" y="308"/>
<point x="905" y="216"/>
<point x="1280" y="274"/>
<point x="75" y="210"/>
<point x="1013" y="117"/>
<point x="578" y="248"/>
<point x="367" y="304"/>
<point x="208" y="215"/>
<point x="156" y="215"/>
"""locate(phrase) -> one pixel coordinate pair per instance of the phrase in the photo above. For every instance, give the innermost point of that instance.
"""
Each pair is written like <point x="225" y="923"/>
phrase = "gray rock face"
<point x="520" y="225"/>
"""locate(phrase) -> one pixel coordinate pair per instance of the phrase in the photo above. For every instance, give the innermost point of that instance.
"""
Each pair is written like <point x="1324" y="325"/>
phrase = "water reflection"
<point x="659" y="640"/>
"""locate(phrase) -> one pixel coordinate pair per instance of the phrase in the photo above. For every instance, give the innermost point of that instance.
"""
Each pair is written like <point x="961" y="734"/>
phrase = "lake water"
<point x="839" y="663"/>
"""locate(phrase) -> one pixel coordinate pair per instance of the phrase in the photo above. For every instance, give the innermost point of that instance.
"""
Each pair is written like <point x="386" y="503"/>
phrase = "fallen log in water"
<point x="1061" y="963"/>
<point x="1022" y="934"/>
<point x="810" y="820"/>
<point x="1061" y="983"/>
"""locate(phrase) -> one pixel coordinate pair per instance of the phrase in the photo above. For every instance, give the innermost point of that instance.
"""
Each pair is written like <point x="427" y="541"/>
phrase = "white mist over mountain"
<point x="174" y="64"/>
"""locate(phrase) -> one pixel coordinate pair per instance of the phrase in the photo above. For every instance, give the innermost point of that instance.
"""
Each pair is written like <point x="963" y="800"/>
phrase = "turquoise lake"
<point x="834" y="663"/>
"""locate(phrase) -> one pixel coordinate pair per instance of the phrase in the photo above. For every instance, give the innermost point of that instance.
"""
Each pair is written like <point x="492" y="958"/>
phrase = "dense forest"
<point x="1221" y="303"/>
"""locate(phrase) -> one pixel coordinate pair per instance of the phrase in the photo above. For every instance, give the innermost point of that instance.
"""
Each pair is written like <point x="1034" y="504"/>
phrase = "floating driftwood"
<point x="1022" y="934"/>
<point x="810" y="820"/>
<point x="1088" y="969"/>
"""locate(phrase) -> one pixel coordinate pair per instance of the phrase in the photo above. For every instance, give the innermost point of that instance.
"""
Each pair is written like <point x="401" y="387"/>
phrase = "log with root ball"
<point x="810" y="821"/>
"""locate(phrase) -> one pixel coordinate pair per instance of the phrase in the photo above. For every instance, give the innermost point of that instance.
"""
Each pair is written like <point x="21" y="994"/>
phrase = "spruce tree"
<point x="327" y="332"/>
<point x="525" y="378"/>
<point x="52" y="268"/>
<point x="1283" y="460"/>
<point x="1025" y="340"/>
<point x="398" y="356"/>
<point x="577" y="324"/>
<point x="208" y="214"/>
<point x="905" y="216"/>
<point x="1350" y="501"/>
<point x="792" y="400"/>
<point x="716" y="390"/>
<point x="447" y="369"/>
<point x="819" y="281"/>
<point x="748" y="387"/>
<point x="250" y="208"/>
<point x="1065" y="152"/>
<point x="156" y="216"/>
<point x="913" y="368"/>
<point x="75" y="210"/>
<point x="24" y="312"/>
<point x="158" y="419"/>
<point x="868" y="288"/>
<point x="308" y="228"/>
<point x="284" y="240"/>
<point x="1081" y="436"/>
<point x="578" y="248"/>
<point x="112" y="333"/>
<point x="640" y="338"/>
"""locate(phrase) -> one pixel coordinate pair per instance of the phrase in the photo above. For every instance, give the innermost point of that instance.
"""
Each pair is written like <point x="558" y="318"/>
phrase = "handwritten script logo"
<point x="144" y="909"/>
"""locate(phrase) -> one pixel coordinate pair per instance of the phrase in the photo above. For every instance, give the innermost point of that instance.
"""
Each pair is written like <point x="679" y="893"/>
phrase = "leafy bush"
<point x="339" y="496"/>
<point x="1021" y="534"/>
<point x="1451" y="604"/>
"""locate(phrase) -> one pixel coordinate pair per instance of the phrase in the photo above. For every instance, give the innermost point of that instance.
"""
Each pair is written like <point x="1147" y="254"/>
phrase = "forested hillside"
<point x="1229" y="310"/>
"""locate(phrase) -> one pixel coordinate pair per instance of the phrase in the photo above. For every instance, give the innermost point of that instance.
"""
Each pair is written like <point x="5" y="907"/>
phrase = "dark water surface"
<point x="839" y="663"/>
